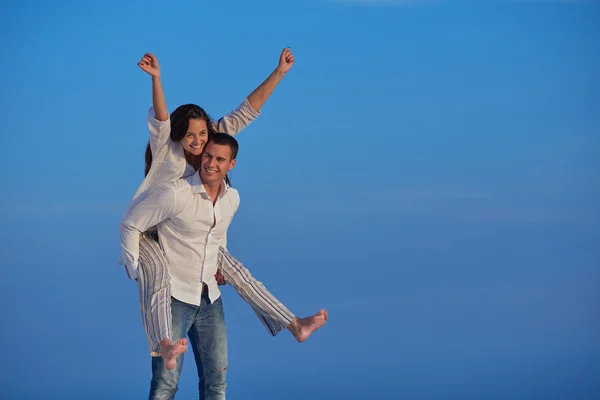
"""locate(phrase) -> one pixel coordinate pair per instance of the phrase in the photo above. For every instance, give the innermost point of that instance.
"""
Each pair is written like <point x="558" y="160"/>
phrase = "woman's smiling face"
<point x="196" y="136"/>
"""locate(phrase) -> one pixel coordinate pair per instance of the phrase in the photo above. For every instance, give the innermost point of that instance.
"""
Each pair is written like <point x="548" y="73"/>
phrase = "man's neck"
<point x="212" y="189"/>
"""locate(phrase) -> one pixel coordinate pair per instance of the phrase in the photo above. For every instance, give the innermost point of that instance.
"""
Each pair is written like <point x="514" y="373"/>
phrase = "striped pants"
<point x="155" y="293"/>
<point x="154" y="285"/>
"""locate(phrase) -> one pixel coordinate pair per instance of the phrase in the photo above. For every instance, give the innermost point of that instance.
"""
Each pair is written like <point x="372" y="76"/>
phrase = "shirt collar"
<point x="198" y="186"/>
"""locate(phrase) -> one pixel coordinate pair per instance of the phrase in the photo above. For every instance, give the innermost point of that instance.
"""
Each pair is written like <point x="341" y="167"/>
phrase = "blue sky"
<point x="428" y="172"/>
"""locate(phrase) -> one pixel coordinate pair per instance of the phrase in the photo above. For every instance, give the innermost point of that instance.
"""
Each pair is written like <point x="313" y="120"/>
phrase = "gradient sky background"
<point x="428" y="172"/>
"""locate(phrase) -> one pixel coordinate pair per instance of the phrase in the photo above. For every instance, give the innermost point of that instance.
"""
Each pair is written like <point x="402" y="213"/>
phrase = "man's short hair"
<point x="225" y="140"/>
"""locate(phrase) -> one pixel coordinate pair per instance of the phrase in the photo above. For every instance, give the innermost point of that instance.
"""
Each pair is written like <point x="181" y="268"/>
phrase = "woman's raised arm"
<point x="149" y="64"/>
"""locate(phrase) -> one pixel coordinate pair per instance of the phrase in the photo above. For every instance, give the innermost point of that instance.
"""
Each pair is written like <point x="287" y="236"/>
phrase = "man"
<point x="175" y="146"/>
<point x="192" y="216"/>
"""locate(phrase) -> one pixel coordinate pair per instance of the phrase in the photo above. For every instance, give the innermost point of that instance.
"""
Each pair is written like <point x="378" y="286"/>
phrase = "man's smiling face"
<point x="216" y="163"/>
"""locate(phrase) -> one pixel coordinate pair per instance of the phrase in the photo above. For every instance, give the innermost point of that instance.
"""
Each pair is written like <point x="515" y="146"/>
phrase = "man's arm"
<point x="234" y="122"/>
<point x="235" y="204"/>
<point x="156" y="208"/>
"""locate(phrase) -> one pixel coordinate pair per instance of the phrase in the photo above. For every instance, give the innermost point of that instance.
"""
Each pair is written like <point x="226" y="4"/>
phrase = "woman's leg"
<point x="155" y="301"/>
<point x="271" y="312"/>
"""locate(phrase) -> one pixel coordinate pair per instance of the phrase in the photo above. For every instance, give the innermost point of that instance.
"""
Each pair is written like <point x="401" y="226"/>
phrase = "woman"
<point x="176" y="144"/>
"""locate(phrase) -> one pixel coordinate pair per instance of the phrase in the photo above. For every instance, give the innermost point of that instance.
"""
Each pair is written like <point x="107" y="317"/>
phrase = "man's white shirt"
<point x="190" y="229"/>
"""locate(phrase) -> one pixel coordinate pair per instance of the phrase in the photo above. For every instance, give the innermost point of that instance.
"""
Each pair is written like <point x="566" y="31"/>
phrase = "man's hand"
<point x="220" y="278"/>
<point x="286" y="60"/>
<point x="149" y="64"/>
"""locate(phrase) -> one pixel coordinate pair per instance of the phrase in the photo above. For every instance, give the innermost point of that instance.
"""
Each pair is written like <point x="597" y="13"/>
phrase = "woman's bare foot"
<point x="170" y="351"/>
<point x="302" y="328"/>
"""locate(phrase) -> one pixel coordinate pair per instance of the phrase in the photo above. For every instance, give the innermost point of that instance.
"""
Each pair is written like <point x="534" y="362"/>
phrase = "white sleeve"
<point x="234" y="122"/>
<point x="161" y="205"/>
<point x="235" y="205"/>
<point x="160" y="132"/>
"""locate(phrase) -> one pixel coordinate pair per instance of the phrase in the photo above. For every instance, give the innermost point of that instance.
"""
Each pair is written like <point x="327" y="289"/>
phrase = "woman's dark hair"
<point x="148" y="159"/>
<point x="180" y="121"/>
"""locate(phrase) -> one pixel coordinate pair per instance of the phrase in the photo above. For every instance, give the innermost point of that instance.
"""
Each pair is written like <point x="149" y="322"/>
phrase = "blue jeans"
<point x="205" y="328"/>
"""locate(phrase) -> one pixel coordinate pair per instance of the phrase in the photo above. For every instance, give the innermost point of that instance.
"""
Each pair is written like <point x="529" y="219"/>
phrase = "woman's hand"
<point x="149" y="64"/>
<point x="220" y="278"/>
<point x="286" y="60"/>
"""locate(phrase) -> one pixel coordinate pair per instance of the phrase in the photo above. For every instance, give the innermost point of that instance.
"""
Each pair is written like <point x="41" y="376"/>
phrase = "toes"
<point x="323" y="313"/>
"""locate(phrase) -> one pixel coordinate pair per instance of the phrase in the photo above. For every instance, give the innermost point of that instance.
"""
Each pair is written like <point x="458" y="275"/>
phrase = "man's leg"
<point x="208" y="338"/>
<point x="164" y="382"/>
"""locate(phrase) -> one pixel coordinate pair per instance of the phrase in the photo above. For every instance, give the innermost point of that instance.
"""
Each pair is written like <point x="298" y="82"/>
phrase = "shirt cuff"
<point x="152" y="118"/>
<point x="246" y="107"/>
<point x="132" y="270"/>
